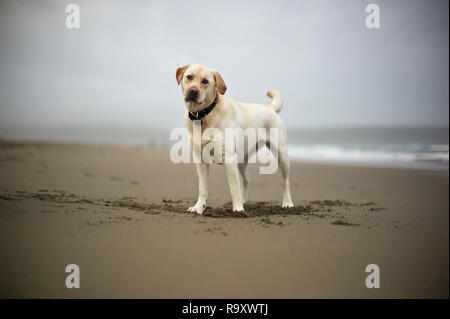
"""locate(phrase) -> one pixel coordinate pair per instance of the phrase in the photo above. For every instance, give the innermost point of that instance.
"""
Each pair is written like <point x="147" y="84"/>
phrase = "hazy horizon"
<point x="118" y="69"/>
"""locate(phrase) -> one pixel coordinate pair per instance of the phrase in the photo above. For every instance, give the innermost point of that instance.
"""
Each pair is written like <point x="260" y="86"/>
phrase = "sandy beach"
<point x="119" y="212"/>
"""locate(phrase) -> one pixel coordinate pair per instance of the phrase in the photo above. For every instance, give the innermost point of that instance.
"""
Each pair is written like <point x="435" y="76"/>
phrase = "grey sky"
<point x="119" y="68"/>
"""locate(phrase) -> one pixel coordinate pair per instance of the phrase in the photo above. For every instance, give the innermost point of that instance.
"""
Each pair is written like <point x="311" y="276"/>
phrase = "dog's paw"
<point x="198" y="208"/>
<point x="287" y="205"/>
<point x="238" y="208"/>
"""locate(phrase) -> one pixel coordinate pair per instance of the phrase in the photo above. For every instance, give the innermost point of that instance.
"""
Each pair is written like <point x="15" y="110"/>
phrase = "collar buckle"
<point x="202" y="113"/>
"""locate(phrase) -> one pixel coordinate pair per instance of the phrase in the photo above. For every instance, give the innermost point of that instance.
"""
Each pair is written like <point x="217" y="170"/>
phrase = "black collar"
<point x="202" y="113"/>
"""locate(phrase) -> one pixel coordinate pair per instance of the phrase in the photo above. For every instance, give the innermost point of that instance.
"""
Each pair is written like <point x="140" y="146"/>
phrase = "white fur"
<point x="231" y="114"/>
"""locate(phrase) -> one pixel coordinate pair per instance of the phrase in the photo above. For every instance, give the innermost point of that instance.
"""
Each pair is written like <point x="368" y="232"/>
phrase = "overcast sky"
<point x="119" y="67"/>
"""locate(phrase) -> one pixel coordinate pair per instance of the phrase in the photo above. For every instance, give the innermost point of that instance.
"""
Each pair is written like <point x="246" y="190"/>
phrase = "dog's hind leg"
<point x="281" y="152"/>
<point x="283" y="163"/>
<point x="235" y="186"/>
<point x="244" y="178"/>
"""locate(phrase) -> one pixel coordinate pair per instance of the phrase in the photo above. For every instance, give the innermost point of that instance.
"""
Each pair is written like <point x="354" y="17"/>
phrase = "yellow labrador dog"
<point x="203" y="90"/>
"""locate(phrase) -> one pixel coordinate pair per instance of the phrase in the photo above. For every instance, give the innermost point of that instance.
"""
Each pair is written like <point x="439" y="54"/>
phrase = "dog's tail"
<point x="277" y="100"/>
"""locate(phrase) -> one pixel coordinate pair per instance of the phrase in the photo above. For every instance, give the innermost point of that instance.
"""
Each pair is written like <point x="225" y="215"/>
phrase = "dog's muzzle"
<point x="192" y="94"/>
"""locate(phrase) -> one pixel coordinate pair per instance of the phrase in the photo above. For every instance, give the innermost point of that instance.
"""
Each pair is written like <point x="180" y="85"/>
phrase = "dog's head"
<point x="199" y="84"/>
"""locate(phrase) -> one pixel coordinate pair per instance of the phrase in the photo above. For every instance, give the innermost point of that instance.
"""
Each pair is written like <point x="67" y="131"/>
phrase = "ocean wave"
<point x="387" y="154"/>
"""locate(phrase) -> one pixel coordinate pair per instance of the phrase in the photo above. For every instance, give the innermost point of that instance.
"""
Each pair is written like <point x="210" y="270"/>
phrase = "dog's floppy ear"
<point x="180" y="72"/>
<point x="220" y="83"/>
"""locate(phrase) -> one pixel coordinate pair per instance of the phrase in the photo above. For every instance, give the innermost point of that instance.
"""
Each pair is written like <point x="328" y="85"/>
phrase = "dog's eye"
<point x="205" y="81"/>
<point x="189" y="77"/>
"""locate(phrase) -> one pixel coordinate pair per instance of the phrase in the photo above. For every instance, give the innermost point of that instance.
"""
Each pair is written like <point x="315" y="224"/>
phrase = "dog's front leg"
<point x="235" y="186"/>
<point x="202" y="172"/>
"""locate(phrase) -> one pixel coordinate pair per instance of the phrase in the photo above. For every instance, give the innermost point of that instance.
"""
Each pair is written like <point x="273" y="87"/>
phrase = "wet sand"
<point x="120" y="214"/>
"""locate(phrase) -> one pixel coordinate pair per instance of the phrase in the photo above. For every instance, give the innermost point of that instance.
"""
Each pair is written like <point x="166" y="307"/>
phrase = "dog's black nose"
<point x="192" y="92"/>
